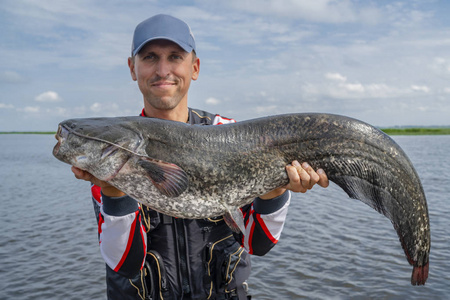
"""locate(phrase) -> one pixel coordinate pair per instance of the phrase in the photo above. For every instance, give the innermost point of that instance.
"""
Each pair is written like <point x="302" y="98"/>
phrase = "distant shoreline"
<point x="27" y="132"/>
<point x="388" y="131"/>
<point x="417" y="131"/>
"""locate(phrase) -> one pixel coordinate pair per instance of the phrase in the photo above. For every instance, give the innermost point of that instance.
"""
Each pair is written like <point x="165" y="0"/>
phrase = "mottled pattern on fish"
<point x="204" y="171"/>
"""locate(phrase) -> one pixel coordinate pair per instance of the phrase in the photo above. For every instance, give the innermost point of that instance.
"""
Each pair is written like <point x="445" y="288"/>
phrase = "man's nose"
<point x="163" y="68"/>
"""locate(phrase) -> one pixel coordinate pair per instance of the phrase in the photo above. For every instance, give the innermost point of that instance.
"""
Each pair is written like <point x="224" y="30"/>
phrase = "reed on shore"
<point x="417" y="131"/>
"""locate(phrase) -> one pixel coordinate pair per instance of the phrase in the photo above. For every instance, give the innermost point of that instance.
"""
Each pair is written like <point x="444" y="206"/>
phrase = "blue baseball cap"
<point x="163" y="27"/>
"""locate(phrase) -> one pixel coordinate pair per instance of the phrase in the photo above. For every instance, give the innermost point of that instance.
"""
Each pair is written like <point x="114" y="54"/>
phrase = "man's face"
<point x="164" y="72"/>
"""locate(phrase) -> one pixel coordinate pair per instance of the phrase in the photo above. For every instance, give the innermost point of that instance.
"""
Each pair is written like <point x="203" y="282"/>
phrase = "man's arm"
<point x="265" y="217"/>
<point x="122" y="234"/>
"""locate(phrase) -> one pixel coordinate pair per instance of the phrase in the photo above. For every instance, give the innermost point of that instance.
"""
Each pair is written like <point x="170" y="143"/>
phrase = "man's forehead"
<point x="162" y="44"/>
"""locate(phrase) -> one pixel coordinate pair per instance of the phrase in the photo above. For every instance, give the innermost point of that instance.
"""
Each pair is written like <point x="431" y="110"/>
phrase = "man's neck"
<point x="179" y="114"/>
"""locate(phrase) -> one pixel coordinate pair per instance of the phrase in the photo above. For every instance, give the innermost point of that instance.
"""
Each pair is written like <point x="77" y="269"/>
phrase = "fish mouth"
<point x="61" y="135"/>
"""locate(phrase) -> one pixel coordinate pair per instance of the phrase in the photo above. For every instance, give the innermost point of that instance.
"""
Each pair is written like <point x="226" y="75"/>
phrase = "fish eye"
<point x="80" y="158"/>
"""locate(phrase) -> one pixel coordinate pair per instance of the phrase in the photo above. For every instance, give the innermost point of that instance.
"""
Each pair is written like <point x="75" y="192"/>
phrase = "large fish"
<point x="206" y="171"/>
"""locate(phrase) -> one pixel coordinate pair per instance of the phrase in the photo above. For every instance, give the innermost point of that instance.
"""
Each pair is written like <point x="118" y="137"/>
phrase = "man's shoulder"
<point x="197" y="116"/>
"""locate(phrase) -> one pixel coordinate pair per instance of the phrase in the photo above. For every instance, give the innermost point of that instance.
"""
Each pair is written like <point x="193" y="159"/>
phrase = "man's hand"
<point x="107" y="189"/>
<point x="301" y="179"/>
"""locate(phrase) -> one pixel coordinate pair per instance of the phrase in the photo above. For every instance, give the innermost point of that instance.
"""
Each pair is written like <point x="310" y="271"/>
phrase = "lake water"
<point x="332" y="247"/>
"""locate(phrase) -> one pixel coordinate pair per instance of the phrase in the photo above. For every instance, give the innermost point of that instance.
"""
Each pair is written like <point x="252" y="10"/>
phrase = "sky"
<point x="384" y="62"/>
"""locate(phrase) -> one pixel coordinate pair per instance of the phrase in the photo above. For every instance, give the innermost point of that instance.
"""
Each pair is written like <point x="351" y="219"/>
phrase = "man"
<point x="153" y="256"/>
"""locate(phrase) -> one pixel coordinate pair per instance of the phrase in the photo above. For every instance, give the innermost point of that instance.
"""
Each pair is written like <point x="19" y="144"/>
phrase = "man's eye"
<point x="149" y="56"/>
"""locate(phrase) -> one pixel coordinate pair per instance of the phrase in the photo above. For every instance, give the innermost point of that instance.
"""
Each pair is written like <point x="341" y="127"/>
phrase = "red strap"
<point x="130" y="240"/>
<point x="96" y="193"/>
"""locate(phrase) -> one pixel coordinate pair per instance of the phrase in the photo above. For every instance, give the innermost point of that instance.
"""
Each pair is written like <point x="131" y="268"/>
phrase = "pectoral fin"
<point x="235" y="219"/>
<point x="168" y="178"/>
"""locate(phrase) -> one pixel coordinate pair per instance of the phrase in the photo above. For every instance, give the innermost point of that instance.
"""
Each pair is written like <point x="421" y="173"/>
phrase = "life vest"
<point x="193" y="259"/>
<point x="184" y="264"/>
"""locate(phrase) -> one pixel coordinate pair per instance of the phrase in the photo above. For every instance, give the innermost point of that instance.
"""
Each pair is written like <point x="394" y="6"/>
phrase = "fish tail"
<point x="419" y="274"/>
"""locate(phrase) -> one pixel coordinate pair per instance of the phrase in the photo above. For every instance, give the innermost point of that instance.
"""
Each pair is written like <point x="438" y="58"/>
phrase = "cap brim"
<point x="183" y="46"/>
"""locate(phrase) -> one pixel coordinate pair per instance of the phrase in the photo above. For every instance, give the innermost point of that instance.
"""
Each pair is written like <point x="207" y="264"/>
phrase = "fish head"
<point x="97" y="146"/>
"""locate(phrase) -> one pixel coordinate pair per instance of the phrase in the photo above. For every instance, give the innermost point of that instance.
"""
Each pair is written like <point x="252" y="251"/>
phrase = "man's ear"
<point x="195" y="68"/>
<point x="132" y="68"/>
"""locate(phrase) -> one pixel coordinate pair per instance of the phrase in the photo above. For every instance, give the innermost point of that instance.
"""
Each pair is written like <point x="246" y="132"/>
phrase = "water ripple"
<point x="332" y="247"/>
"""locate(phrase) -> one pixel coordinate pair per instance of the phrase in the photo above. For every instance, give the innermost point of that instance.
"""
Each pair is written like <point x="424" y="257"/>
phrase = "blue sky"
<point x="384" y="62"/>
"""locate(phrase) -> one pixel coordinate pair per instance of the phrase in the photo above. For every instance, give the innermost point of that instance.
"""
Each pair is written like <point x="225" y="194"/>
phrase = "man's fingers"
<point x="323" y="178"/>
<point x="313" y="176"/>
<point x="303" y="177"/>
<point x="292" y="172"/>
<point x="79" y="174"/>
<point x="83" y="175"/>
<point x="297" y="178"/>
<point x="107" y="189"/>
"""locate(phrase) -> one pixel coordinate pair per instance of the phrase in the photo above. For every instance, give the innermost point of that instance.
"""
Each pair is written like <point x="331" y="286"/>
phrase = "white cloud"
<point x="328" y="11"/>
<point x="106" y="109"/>
<point x="341" y="88"/>
<point x="48" y="96"/>
<point x="57" y="111"/>
<point x="441" y="65"/>
<point x="31" y="109"/>
<point x="6" y="106"/>
<point x="96" y="107"/>
<point x="336" y="77"/>
<point x="212" y="101"/>
<point x="11" y="77"/>
<point x="420" y="88"/>
<point x="354" y="87"/>
<point x="263" y="110"/>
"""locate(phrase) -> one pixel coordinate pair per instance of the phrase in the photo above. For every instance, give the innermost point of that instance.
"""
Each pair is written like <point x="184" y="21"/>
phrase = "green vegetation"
<point x="417" y="131"/>
<point x="27" y="132"/>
